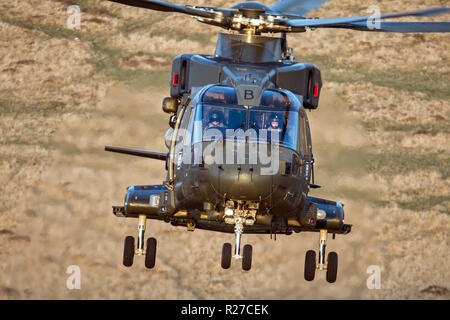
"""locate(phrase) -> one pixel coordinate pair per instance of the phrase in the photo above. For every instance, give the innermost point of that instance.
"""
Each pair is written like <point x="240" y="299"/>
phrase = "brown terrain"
<point x="381" y="142"/>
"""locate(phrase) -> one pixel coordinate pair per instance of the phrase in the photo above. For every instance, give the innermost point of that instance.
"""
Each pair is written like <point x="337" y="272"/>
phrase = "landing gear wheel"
<point x="247" y="257"/>
<point x="332" y="267"/>
<point x="128" y="251"/>
<point x="150" y="253"/>
<point x="226" y="255"/>
<point x="310" y="265"/>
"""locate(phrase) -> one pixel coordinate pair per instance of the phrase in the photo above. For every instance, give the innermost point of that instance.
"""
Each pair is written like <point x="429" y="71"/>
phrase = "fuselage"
<point x="254" y="154"/>
<point x="240" y="152"/>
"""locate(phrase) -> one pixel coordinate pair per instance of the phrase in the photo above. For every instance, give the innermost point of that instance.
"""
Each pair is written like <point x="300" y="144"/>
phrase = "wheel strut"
<point x="237" y="217"/>
<point x="238" y="229"/>
<point x="140" y="250"/>
<point x="322" y="265"/>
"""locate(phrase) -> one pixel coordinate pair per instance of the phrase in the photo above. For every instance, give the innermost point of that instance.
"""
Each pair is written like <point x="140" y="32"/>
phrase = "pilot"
<point x="275" y="123"/>
<point x="215" y="124"/>
<point x="216" y="119"/>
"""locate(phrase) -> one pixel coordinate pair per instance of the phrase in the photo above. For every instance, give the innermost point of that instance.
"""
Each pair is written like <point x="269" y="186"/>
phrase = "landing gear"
<point x="247" y="252"/>
<point x="247" y="257"/>
<point x="330" y="265"/>
<point x="226" y="255"/>
<point x="150" y="254"/>
<point x="322" y="245"/>
<point x="310" y="265"/>
<point x="130" y="251"/>
<point x="238" y="229"/>
<point x="141" y="230"/>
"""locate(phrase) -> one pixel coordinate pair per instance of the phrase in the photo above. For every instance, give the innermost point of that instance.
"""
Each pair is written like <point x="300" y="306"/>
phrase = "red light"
<point x="316" y="90"/>
<point x="175" y="79"/>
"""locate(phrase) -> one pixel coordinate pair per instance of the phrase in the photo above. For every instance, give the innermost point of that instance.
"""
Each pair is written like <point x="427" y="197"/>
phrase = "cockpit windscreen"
<point x="219" y="114"/>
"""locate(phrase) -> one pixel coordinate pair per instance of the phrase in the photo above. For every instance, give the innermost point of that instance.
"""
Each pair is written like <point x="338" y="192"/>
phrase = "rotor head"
<point x="285" y="16"/>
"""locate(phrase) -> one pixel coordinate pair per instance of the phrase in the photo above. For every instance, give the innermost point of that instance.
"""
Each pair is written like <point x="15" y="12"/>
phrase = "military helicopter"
<point x="239" y="156"/>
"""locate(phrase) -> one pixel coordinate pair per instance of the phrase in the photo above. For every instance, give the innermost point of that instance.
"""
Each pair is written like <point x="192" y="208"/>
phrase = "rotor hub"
<point x="251" y="9"/>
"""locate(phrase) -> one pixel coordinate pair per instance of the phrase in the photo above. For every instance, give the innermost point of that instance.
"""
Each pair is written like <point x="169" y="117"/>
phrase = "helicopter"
<point x="239" y="156"/>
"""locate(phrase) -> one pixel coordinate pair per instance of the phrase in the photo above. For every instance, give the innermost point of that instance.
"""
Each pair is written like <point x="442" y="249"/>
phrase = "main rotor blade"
<point x="401" y="27"/>
<point x="296" y="7"/>
<point x="334" y="21"/>
<point x="167" y="6"/>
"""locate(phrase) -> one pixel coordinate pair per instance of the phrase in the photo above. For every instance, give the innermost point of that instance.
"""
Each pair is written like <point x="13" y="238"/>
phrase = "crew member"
<point x="216" y="119"/>
<point x="275" y="123"/>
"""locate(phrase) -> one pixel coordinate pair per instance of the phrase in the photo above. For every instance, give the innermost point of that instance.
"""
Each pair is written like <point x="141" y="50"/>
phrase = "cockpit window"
<point x="275" y="124"/>
<point x="274" y="99"/>
<point x="223" y="118"/>
<point x="220" y="95"/>
<point x="220" y="115"/>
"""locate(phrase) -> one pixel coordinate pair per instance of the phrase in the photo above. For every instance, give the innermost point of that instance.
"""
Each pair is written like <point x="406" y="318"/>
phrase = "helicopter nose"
<point x="241" y="181"/>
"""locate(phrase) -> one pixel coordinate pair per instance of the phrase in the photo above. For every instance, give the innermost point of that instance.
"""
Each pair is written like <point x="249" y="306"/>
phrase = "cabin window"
<point x="220" y="95"/>
<point x="219" y="117"/>
<point x="223" y="118"/>
<point x="182" y="129"/>
<point x="273" y="124"/>
<point x="188" y="135"/>
<point x="274" y="99"/>
<point x="303" y="140"/>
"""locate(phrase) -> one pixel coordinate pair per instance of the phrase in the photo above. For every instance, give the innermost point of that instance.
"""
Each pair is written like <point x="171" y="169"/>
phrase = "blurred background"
<point x="380" y="139"/>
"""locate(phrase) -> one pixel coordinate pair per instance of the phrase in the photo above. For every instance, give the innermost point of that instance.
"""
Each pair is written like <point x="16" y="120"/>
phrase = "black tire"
<point x="247" y="257"/>
<point x="128" y="251"/>
<point x="226" y="256"/>
<point x="332" y="267"/>
<point x="310" y="265"/>
<point x="150" y="253"/>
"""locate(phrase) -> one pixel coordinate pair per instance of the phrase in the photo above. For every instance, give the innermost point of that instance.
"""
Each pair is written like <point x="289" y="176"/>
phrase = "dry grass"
<point x="380" y="140"/>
